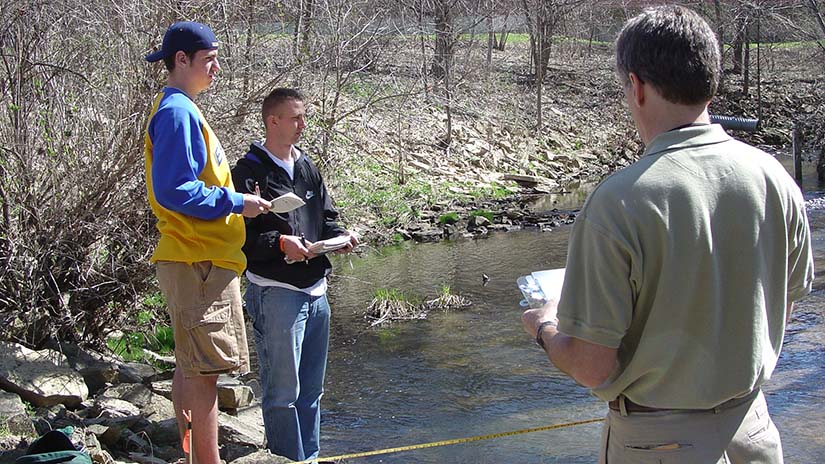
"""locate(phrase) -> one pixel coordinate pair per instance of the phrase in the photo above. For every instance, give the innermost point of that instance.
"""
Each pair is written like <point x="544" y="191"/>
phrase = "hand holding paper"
<point x="286" y="203"/>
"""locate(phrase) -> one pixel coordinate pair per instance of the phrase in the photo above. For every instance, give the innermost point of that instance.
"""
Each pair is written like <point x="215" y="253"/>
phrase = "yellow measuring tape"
<point x="454" y="441"/>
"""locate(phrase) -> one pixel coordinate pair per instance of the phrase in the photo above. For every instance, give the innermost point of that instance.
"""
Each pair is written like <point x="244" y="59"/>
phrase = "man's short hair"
<point x="673" y="49"/>
<point x="169" y="61"/>
<point x="278" y="96"/>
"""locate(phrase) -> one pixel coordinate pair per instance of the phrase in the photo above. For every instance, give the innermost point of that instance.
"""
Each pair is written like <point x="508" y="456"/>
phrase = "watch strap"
<point x="540" y="329"/>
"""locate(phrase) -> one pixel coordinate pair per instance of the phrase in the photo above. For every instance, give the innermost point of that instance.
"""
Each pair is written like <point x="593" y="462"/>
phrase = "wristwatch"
<point x="540" y="329"/>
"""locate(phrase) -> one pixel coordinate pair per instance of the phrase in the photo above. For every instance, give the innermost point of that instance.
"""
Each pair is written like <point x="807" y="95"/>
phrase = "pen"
<point x="257" y="190"/>
<point x="304" y="243"/>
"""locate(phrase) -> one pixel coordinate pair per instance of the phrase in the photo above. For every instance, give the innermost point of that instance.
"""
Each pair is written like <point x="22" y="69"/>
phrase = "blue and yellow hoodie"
<point x="190" y="187"/>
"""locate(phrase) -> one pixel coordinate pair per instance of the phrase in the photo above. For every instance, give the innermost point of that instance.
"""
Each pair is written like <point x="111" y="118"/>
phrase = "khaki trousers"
<point x="743" y="434"/>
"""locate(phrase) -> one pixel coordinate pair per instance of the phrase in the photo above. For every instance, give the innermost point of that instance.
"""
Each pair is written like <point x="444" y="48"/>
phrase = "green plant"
<point x="448" y="218"/>
<point x="447" y="300"/>
<point x="388" y="334"/>
<point x="394" y="294"/>
<point x="482" y="213"/>
<point x="130" y="345"/>
<point x="154" y="300"/>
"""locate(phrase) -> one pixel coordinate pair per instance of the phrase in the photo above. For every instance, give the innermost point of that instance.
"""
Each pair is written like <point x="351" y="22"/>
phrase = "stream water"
<point x="475" y="372"/>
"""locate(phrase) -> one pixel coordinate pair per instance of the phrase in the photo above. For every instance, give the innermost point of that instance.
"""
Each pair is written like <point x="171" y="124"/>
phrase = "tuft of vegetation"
<point x="448" y="218"/>
<point x="395" y="305"/>
<point x="392" y="304"/>
<point x="147" y="340"/>
<point x="447" y="300"/>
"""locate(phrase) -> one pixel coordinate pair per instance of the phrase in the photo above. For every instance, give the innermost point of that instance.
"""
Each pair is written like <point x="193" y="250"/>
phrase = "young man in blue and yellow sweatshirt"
<point x="198" y="256"/>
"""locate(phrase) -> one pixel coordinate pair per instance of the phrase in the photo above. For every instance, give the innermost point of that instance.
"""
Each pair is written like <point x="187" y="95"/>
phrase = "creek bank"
<point x="120" y="412"/>
<point x="478" y="219"/>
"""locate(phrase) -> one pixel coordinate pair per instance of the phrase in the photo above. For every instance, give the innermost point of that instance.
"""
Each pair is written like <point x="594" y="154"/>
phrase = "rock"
<point x="262" y="457"/>
<point x="136" y="372"/>
<point x="145" y="459"/>
<point x="13" y="416"/>
<point x="43" y="378"/>
<point x="478" y="221"/>
<point x="504" y="227"/>
<point x="164" y="432"/>
<point x="234" y="430"/>
<point x="132" y="441"/>
<point x="480" y="231"/>
<point x="98" y="369"/>
<point x="524" y="180"/>
<point x="430" y="235"/>
<point x="136" y="422"/>
<point x="231" y="452"/>
<point x="153" y="406"/>
<point x="406" y="235"/>
<point x="94" y="449"/>
<point x="234" y="396"/>
<point x="162" y="388"/>
<point x="449" y="230"/>
<point x="105" y="434"/>
<point x="114" y="407"/>
<point x="168" y="453"/>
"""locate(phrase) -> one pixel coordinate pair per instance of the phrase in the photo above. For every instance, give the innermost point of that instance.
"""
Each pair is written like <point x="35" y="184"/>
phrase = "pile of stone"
<point x="120" y="412"/>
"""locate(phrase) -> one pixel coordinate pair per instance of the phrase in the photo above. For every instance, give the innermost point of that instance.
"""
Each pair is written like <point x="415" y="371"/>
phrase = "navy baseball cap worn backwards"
<point x="185" y="36"/>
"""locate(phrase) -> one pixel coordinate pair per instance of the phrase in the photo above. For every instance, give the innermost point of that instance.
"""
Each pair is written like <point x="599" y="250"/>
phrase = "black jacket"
<point x="316" y="219"/>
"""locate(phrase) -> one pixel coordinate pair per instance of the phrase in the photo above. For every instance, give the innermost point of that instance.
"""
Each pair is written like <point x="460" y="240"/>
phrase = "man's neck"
<point x="181" y="84"/>
<point x="282" y="151"/>
<point x="670" y="116"/>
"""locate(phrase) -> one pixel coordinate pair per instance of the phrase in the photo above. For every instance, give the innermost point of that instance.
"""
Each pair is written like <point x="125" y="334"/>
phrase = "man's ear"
<point x="181" y="58"/>
<point x="637" y="89"/>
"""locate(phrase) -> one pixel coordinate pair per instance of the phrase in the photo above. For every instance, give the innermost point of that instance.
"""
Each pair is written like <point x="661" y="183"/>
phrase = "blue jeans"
<point x="291" y="332"/>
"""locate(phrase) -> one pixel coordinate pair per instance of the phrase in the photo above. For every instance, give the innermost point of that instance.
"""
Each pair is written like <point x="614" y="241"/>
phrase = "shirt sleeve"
<point x="800" y="256"/>
<point x="596" y="303"/>
<point x="178" y="156"/>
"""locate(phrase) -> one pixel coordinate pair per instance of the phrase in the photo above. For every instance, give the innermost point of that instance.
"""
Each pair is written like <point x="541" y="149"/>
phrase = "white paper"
<point x="550" y="281"/>
<point x="331" y="244"/>
<point x="286" y="203"/>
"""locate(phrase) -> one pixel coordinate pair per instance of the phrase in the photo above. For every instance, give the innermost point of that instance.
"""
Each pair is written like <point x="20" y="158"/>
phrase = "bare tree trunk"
<point x="303" y="30"/>
<point x="746" y="76"/>
<point x="539" y="76"/>
<point x="491" y="36"/>
<point x="448" y="106"/>
<point x="421" y="33"/>
<point x="720" y="31"/>
<point x="250" y="15"/>
<point x="297" y="32"/>
<point x="502" y="42"/>
<point x="443" y="38"/>
<point x="812" y="4"/>
<point x="738" y="41"/>
<point x="306" y="23"/>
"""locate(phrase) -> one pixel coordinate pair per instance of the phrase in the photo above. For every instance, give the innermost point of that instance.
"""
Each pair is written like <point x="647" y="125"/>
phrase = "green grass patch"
<point x="130" y="345"/>
<point x="448" y="218"/>
<point x="394" y="295"/>
<point x="482" y="213"/>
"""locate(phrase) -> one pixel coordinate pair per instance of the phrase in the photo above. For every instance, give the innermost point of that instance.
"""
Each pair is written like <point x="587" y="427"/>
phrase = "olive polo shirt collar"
<point x="688" y="137"/>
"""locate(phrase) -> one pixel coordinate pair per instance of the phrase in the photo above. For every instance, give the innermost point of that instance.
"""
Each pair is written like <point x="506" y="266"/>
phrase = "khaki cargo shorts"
<point x="207" y="317"/>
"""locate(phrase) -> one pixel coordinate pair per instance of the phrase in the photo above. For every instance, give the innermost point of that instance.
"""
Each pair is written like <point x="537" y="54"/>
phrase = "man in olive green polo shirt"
<point x="682" y="269"/>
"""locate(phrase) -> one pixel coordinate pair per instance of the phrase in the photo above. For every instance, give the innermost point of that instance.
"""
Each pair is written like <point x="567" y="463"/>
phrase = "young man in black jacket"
<point x="286" y="296"/>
